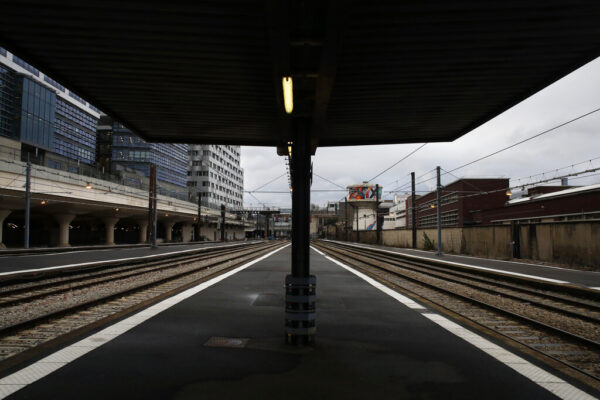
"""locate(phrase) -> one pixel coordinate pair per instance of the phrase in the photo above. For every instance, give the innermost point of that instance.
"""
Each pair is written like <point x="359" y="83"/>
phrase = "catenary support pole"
<point x="377" y="216"/>
<point x="357" y="230"/>
<point x="439" y="213"/>
<point x="222" y="222"/>
<point x="346" y="219"/>
<point x="27" y="202"/>
<point x="198" y="219"/>
<point x="413" y="211"/>
<point x="300" y="286"/>
<point x="154" y="211"/>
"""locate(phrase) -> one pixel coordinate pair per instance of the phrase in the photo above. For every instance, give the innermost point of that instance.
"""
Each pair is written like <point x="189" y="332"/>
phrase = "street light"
<point x="88" y="186"/>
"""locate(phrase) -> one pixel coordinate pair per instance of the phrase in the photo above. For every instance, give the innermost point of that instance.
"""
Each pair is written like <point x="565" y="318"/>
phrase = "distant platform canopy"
<point x="363" y="72"/>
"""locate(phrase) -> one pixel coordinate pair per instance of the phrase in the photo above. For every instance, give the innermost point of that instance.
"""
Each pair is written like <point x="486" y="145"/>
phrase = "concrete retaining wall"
<point x="575" y="243"/>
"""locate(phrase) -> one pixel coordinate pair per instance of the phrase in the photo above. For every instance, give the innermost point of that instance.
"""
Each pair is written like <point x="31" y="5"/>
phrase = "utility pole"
<point x="413" y="211"/>
<point x="27" y="202"/>
<point x="357" y="231"/>
<point x="199" y="217"/>
<point x="346" y="219"/>
<point x="439" y="212"/>
<point x="377" y="221"/>
<point x="152" y="214"/>
<point x="222" y="222"/>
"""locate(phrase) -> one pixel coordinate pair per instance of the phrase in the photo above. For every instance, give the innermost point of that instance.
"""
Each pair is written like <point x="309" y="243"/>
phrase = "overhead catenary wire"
<point x="397" y="162"/>
<point x="526" y="139"/>
<point x="269" y="182"/>
<point x="327" y="180"/>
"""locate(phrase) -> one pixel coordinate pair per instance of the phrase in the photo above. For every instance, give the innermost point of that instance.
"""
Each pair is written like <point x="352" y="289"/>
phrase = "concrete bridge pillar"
<point x="109" y="223"/>
<point x="3" y="215"/>
<point x="169" y="230"/>
<point x="64" y="220"/>
<point x="186" y="232"/>
<point x="143" y="224"/>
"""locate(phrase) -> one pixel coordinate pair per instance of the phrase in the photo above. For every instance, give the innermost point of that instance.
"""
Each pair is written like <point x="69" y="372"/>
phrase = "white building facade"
<point x="215" y="175"/>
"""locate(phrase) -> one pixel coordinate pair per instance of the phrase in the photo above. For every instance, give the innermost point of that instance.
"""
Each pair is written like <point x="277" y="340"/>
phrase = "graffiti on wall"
<point x="360" y="192"/>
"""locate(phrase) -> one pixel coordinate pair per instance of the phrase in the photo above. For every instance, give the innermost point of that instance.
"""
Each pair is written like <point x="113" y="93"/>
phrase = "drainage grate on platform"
<point x="218" y="341"/>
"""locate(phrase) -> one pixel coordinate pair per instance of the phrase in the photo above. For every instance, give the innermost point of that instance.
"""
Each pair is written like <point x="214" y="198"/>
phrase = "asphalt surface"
<point x="369" y="346"/>
<point x="583" y="278"/>
<point x="13" y="263"/>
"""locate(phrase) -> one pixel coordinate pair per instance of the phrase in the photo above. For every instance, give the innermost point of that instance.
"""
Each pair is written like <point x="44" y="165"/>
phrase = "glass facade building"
<point x="7" y="100"/>
<point x="35" y="121"/>
<point x="119" y="149"/>
<point x="41" y="113"/>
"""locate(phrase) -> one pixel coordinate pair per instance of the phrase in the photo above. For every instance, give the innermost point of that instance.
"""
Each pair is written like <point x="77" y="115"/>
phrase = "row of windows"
<point x="215" y="187"/>
<point x="75" y="114"/>
<point x="36" y="131"/>
<point x="219" y="197"/>
<point x="444" y="200"/>
<point x="64" y="128"/>
<point x="38" y="100"/>
<point x="74" y="151"/>
<point x="226" y="173"/>
<point x="131" y="155"/>
<point x="449" y="218"/>
<point x="7" y="106"/>
<point x="233" y="149"/>
<point x="28" y="67"/>
<point x="2" y="51"/>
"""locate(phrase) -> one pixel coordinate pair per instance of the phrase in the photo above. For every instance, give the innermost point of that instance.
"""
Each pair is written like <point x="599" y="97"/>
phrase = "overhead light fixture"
<point x="88" y="186"/>
<point x="43" y="202"/>
<point x="508" y="192"/>
<point x="289" y="150"/>
<point x="288" y="94"/>
<point x="116" y="209"/>
<point x="432" y="206"/>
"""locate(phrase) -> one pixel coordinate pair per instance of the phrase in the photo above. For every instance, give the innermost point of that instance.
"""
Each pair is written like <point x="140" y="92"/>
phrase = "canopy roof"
<point x="364" y="72"/>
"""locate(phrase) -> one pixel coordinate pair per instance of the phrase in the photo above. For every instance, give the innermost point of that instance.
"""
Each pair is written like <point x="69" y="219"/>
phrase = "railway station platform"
<point x="224" y="340"/>
<point x="590" y="279"/>
<point x="11" y="263"/>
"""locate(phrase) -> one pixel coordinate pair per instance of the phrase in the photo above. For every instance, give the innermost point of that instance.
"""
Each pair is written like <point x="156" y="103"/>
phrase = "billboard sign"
<point x="363" y="193"/>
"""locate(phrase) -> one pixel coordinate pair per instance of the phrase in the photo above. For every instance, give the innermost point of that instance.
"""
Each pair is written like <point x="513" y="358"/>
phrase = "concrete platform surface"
<point x="15" y="263"/>
<point x="369" y="346"/>
<point x="583" y="278"/>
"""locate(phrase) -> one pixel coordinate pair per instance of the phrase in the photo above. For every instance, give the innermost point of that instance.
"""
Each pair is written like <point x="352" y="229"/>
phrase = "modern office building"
<point x="55" y="126"/>
<point x="123" y="153"/>
<point x="215" y="175"/>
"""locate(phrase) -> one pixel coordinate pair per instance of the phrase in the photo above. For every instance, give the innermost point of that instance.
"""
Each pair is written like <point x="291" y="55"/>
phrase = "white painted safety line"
<point x="540" y="278"/>
<point x="317" y="250"/>
<point x="59" y="359"/>
<point x="109" y="261"/>
<point x="548" y="381"/>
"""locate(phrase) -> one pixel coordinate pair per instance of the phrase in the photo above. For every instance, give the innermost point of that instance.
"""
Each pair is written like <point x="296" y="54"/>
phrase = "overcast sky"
<point x="572" y="96"/>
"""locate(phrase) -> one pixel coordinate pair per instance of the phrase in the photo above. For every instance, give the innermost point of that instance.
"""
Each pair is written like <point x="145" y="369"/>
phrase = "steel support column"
<point x="300" y="285"/>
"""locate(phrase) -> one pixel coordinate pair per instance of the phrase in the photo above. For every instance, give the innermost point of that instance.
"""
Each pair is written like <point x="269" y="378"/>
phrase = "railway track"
<point x="555" y="323"/>
<point x="39" y="312"/>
